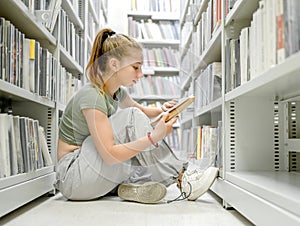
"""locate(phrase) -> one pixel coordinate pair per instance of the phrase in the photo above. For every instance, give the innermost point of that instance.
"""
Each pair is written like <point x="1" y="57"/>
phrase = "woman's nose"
<point x="140" y="74"/>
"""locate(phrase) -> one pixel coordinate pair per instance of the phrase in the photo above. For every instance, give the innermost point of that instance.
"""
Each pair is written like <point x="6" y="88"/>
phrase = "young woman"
<point x="100" y="149"/>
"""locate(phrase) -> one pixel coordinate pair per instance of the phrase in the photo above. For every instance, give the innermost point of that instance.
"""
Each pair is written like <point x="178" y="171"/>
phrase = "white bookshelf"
<point x="27" y="22"/>
<point x="164" y="83"/>
<point x="259" y="172"/>
<point x="19" y="189"/>
<point x="281" y="80"/>
<point x="161" y="71"/>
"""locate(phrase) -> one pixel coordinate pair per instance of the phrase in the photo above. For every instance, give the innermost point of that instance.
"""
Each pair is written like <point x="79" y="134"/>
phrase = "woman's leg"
<point x="160" y="162"/>
<point x="83" y="175"/>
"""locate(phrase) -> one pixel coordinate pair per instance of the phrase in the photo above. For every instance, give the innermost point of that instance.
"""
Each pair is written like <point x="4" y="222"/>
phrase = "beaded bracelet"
<point x="150" y="139"/>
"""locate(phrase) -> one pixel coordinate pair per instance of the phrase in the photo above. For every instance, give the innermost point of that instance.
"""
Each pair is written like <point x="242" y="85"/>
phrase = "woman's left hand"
<point x="169" y="104"/>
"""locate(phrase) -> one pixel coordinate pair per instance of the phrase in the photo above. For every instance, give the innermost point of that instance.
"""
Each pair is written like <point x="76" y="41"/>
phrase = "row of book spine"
<point x="161" y="57"/>
<point x="208" y="85"/>
<point x="68" y="85"/>
<point x="274" y="35"/>
<point x="173" y="139"/>
<point x="46" y="11"/>
<point x="70" y="37"/>
<point x="156" y="85"/>
<point x="156" y="5"/>
<point x="23" y="146"/>
<point x="204" y="142"/>
<point x="150" y="29"/>
<point x="25" y="63"/>
<point x="208" y="24"/>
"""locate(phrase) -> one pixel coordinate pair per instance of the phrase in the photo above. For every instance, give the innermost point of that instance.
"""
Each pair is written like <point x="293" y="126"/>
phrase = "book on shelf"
<point x="20" y="161"/>
<point x="151" y="29"/>
<point x="155" y="5"/>
<point x="45" y="11"/>
<point x="23" y="145"/>
<point x="199" y="143"/>
<point x="244" y="55"/>
<point x="5" y="169"/>
<point x="32" y="65"/>
<point x="44" y="147"/>
<point x="12" y="146"/>
<point x="208" y="85"/>
<point x="182" y="104"/>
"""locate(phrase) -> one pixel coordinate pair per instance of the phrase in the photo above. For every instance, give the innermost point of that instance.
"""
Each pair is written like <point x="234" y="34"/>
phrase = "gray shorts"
<point x="83" y="175"/>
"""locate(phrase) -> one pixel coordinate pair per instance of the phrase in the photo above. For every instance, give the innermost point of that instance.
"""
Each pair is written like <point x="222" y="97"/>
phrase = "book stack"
<point x="23" y="146"/>
<point x="272" y="36"/>
<point x="25" y="63"/>
<point x="156" y="85"/>
<point x="155" y="5"/>
<point x="208" y="85"/>
<point x="207" y="26"/>
<point x="161" y="57"/>
<point x="204" y="143"/>
<point x="68" y="84"/>
<point x="70" y="39"/>
<point x="45" y="10"/>
<point x="150" y="29"/>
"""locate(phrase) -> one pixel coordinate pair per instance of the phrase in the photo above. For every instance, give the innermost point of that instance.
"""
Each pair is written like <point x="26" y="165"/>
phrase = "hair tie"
<point x="104" y="37"/>
<point x="111" y="33"/>
<point x="106" y="34"/>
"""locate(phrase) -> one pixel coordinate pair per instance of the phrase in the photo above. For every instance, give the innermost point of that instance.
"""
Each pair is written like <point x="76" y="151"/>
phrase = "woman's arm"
<point x="151" y="112"/>
<point x="102" y="134"/>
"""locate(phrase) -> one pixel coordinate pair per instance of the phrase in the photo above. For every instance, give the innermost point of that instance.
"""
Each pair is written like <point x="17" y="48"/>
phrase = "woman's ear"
<point x="114" y="64"/>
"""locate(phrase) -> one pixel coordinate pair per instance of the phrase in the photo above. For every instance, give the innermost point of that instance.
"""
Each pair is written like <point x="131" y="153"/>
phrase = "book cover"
<point x="25" y="50"/>
<point x="37" y="70"/>
<point x="12" y="146"/>
<point x="2" y="49"/>
<point x="4" y="147"/>
<point x="20" y="160"/>
<point x="175" y="110"/>
<point x="44" y="147"/>
<point x="32" y="65"/>
<point x="24" y="142"/>
<point x="38" y="151"/>
<point x="280" y="32"/>
<point x="199" y="143"/>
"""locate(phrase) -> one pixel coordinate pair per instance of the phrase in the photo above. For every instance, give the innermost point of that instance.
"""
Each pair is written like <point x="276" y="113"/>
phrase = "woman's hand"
<point x="163" y="128"/>
<point x="169" y="104"/>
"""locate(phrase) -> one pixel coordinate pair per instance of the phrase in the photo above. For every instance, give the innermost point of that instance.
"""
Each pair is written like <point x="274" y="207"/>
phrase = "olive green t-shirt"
<point x="73" y="127"/>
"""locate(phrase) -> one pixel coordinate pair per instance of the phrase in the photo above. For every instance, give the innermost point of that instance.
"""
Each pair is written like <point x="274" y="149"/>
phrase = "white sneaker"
<point x="149" y="192"/>
<point x="196" y="183"/>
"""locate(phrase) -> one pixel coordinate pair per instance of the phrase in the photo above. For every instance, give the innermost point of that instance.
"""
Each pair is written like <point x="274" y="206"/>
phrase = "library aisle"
<point x="111" y="211"/>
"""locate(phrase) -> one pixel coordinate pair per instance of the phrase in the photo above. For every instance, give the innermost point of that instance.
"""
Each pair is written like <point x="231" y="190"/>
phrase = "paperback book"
<point x="175" y="110"/>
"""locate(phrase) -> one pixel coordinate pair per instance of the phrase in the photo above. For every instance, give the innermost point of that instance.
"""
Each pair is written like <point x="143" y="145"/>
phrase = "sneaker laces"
<point x="182" y="195"/>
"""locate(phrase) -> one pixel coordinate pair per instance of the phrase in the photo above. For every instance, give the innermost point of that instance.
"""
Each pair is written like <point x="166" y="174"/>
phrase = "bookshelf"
<point x="258" y="154"/>
<point x="155" y="24"/>
<point x="157" y="29"/>
<point x="56" y="58"/>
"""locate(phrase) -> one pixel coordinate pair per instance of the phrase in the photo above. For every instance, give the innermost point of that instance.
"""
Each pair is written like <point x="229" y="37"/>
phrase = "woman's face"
<point x="130" y="70"/>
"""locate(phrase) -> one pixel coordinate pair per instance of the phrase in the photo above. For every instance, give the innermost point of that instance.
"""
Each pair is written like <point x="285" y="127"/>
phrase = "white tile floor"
<point x="111" y="211"/>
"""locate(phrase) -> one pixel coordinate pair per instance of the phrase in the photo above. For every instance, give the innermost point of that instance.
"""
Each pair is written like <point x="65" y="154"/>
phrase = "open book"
<point x="175" y="110"/>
